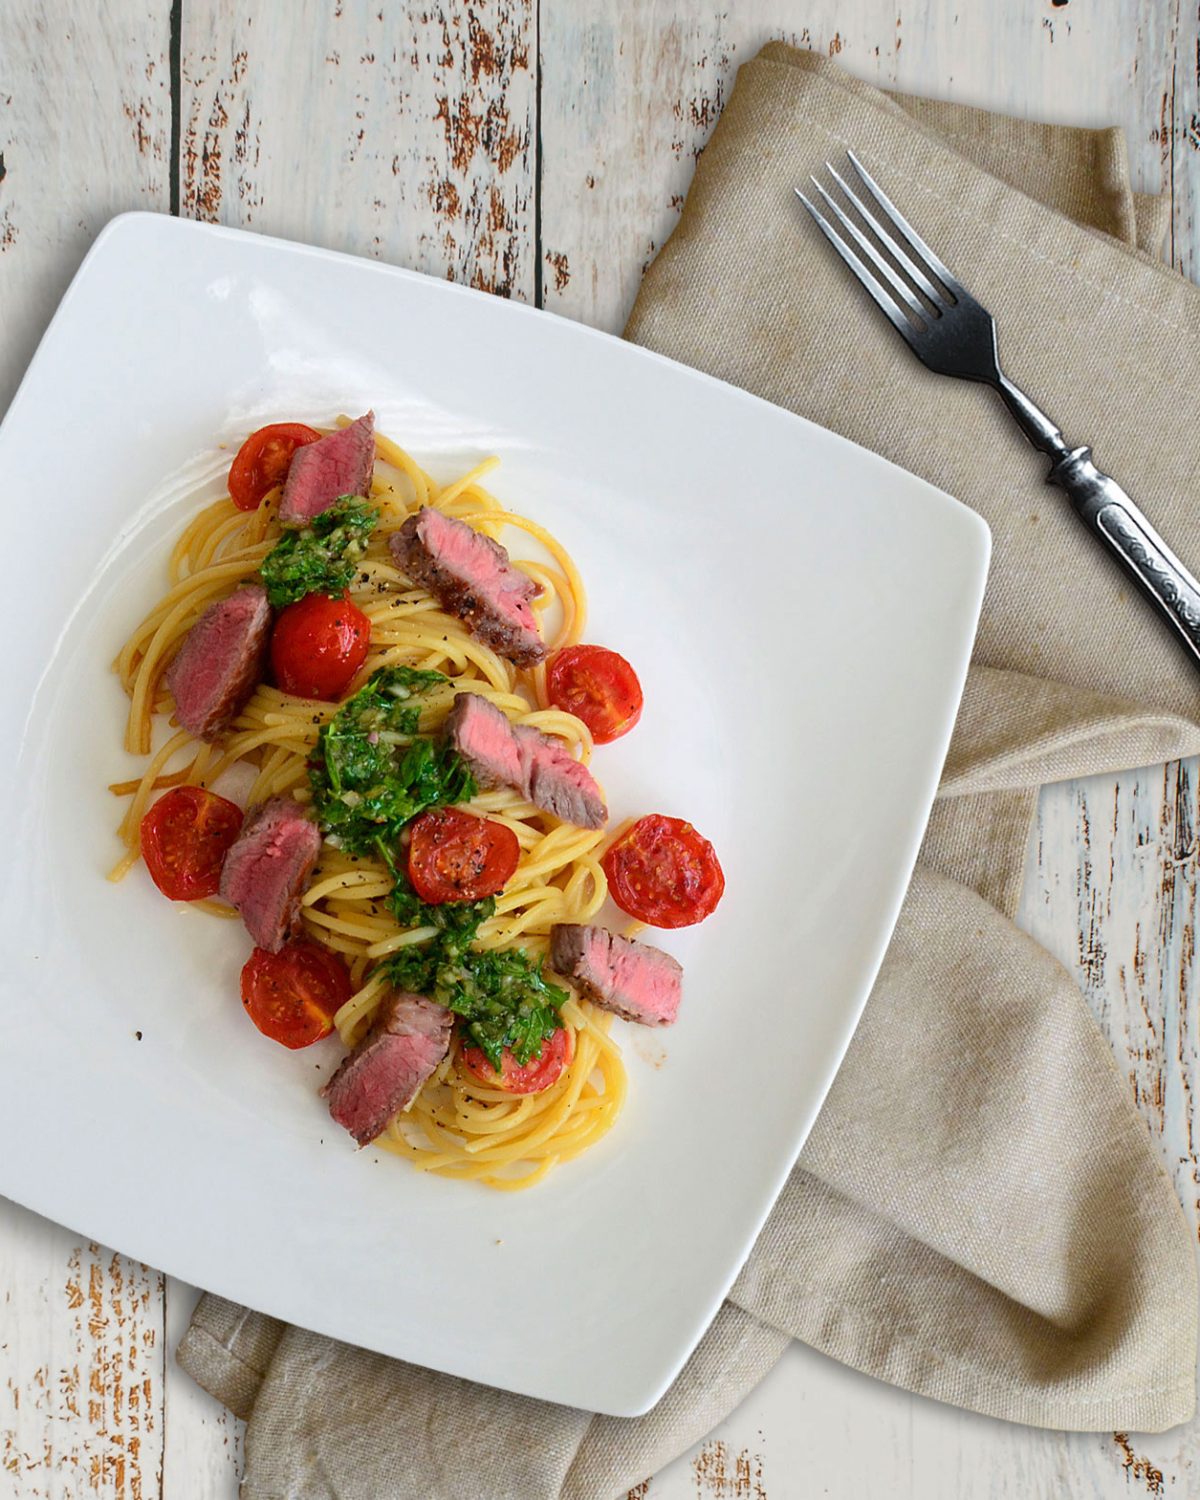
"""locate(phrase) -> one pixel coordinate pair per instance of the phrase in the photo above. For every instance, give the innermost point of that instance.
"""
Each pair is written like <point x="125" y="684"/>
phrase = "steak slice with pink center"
<point x="320" y="473"/>
<point x="221" y="661"/>
<point x="408" y="1039"/>
<point x="500" y="753"/>
<point x="268" y="867"/>
<point x="473" y="579"/>
<point x="558" y="783"/>
<point x="634" y="980"/>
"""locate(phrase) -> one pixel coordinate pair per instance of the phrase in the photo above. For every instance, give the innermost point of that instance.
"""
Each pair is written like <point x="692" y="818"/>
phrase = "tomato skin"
<point x="535" y="1077"/>
<point x="292" y="996"/>
<point x="185" y="837"/>
<point x="598" y="686"/>
<point x="263" y="460"/>
<point x="455" y="856"/>
<point x="317" y="646"/>
<point x="665" y="873"/>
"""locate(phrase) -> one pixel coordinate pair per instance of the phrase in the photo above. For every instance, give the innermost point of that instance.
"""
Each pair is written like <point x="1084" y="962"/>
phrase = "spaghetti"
<point x="457" y="1126"/>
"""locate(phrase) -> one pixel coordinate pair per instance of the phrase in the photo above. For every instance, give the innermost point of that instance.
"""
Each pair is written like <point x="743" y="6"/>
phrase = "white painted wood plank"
<point x="1167" y="146"/>
<point x="394" y="132"/>
<point x="630" y="94"/>
<point x="85" y="133"/>
<point x="202" y="1442"/>
<point x="81" y="1357"/>
<point x="1112" y="892"/>
<point x="815" y="1428"/>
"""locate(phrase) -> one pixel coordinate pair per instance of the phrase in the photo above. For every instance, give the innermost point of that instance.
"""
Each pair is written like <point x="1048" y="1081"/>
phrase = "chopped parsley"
<point x="372" y="770"/>
<point x="323" y="557"/>
<point x="501" y="996"/>
<point x="459" y="920"/>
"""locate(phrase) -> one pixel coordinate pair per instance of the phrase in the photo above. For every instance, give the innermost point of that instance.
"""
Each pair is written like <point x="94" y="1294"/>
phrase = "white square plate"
<point x="801" y="614"/>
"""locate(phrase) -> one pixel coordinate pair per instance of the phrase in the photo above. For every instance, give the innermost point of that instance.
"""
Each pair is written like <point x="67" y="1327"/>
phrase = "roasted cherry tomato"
<point x="455" y="856"/>
<point x="664" y="873"/>
<point x="292" y="996"/>
<point x="533" y="1077"/>
<point x="263" y="460"/>
<point x="185" y="837"/>
<point x="317" y="646"/>
<point x="597" y="686"/>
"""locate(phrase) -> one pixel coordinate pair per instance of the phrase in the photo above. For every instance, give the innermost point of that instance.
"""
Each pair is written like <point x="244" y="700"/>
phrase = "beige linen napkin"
<point x="978" y="1214"/>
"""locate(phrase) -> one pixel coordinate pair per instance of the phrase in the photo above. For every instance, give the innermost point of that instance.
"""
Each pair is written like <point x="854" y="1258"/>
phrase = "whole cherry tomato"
<point x="317" y="646"/>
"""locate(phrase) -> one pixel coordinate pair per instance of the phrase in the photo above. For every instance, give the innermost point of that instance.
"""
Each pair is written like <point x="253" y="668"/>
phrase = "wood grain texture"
<point x="84" y="133"/>
<point x="85" y="114"/>
<point x="202" y="1442"/>
<point x="393" y="132"/>
<point x="83" y="1353"/>
<point x="414" y="133"/>
<point x="630" y="95"/>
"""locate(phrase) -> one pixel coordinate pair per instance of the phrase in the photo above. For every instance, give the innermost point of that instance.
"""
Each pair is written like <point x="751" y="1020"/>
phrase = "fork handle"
<point x="1105" y="509"/>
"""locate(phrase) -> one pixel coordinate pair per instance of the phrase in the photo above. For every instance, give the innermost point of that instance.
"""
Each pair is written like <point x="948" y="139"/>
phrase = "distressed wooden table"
<point x="540" y="149"/>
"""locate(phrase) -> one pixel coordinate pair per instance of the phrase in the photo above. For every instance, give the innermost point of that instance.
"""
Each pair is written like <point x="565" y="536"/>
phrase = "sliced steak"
<point x="320" y="473"/>
<point x="503" y="754"/>
<point x="221" y="661"/>
<point x="407" y="1041"/>
<point x="482" y="734"/>
<point x="268" y="867"/>
<point x="472" y="578"/>
<point x="634" y="980"/>
<point x="558" y="783"/>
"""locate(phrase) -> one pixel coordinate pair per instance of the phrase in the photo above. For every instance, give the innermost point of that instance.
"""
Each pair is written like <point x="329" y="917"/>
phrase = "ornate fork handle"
<point x="1104" y="507"/>
<point x="953" y="334"/>
<point x="1107" y="511"/>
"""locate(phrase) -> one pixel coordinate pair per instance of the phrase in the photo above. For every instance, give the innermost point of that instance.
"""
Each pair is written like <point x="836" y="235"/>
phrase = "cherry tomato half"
<point x="185" y="837"/>
<point x="664" y="873"/>
<point x="455" y="856"/>
<point x="263" y="461"/>
<point x="292" y="996"/>
<point x="599" y="687"/>
<point x="533" y="1077"/>
<point x="317" y="646"/>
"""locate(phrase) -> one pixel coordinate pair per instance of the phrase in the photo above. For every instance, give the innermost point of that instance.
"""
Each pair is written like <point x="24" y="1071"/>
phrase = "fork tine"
<point x="885" y="302"/>
<point x="901" y="224"/>
<point x="889" y="243"/>
<point x="883" y="271"/>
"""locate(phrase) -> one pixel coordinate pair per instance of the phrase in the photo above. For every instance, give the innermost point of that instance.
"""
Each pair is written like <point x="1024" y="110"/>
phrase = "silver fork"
<point x="952" y="334"/>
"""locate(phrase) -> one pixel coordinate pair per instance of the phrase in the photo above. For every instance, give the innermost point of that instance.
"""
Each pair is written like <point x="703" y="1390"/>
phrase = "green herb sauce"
<point x="502" y="996"/>
<point x="320" y="559"/>
<point x="372" y="770"/>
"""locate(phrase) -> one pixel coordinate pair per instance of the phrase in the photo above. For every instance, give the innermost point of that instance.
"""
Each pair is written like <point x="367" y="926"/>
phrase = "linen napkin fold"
<point x="978" y="1214"/>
